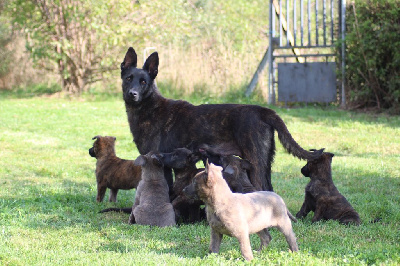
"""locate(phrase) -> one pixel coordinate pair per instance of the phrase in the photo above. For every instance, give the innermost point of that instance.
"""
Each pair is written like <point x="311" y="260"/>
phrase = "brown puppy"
<point x="239" y="215"/>
<point x="321" y="195"/>
<point x="152" y="205"/>
<point x="112" y="172"/>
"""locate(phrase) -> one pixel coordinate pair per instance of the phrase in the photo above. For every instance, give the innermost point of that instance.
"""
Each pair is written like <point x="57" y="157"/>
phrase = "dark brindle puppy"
<point x="321" y="195"/>
<point x="112" y="172"/>
<point x="234" y="168"/>
<point x="160" y="124"/>
<point x="183" y="161"/>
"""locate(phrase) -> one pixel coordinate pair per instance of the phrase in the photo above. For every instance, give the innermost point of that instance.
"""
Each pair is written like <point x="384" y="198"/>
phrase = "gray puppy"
<point x="239" y="215"/>
<point x="152" y="205"/>
<point x="112" y="172"/>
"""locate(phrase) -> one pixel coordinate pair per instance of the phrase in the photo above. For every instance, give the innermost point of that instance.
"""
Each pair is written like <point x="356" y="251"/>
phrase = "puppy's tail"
<point x="124" y="210"/>
<point x="291" y="216"/>
<point x="290" y="145"/>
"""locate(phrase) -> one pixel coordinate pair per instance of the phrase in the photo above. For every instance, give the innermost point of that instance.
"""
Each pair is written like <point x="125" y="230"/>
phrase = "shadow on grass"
<point x="31" y="91"/>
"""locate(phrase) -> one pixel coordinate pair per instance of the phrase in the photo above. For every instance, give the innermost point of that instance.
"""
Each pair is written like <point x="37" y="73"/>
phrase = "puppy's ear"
<point x="157" y="158"/>
<point x="96" y="137"/>
<point x="130" y="59"/>
<point x="331" y="154"/>
<point x="229" y="169"/>
<point x="214" y="172"/>
<point x="151" y="65"/>
<point x="246" y="165"/>
<point x="140" y="161"/>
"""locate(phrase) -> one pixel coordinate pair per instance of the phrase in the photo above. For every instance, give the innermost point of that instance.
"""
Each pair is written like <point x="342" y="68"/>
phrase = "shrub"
<point x="373" y="54"/>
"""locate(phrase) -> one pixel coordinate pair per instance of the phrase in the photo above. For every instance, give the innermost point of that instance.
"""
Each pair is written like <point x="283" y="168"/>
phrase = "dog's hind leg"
<point x="113" y="195"/>
<point x="265" y="238"/>
<point x="259" y="149"/>
<point x="286" y="228"/>
<point x="318" y="213"/>
<point x="215" y="241"/>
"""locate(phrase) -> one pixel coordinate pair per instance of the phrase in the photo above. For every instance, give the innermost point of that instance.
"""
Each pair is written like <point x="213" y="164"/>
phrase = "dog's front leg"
<point x="245" y="246"/>
<point x="265" y="238"/>
<point x="215" y="241"/>
<point x="132" y="219"/>
<point x="101" y="191"/>
<point x="304" y="210"/>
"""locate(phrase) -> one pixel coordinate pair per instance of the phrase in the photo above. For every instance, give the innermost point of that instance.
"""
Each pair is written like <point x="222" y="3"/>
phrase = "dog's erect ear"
<point x="140" y="161"/>
<point x="96" y="137"/>
<point x="214" y="172"/>
<point x="130" y="59"/>
<point x="151" y="65"/>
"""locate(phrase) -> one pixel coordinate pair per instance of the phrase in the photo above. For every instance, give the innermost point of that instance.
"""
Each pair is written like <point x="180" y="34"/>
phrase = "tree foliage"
<point x="373" y="54"/>
<point x="5" y="39"/>
<point x="73" y="38"/>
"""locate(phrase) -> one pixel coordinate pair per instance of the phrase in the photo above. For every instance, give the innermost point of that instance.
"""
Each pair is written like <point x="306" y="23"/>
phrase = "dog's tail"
<point x="291" y="216"/>
<point x="289" y="143"/>
<point x="124" y="210"/>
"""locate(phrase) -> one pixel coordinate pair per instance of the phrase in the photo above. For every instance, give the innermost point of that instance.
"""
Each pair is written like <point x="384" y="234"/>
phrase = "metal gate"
<point x="300" y="56"/>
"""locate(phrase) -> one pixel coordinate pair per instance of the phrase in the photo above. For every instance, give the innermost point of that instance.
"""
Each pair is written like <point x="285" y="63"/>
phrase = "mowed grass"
<point x="48" y="212"/>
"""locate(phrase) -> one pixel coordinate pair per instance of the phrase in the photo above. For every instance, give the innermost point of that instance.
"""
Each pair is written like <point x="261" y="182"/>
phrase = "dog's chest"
<point x="145" y="130"/>
<point x="215" y="222"/>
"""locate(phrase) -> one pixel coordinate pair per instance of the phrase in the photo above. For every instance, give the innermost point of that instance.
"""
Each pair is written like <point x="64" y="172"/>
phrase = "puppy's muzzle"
<point x="91" y="152"/>
<point x="305" y="171"/>
<point x="190" y="192"/>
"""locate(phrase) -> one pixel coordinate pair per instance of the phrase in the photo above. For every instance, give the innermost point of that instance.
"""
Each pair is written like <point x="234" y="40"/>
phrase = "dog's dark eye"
<point x="143" y="82"/>
<point x="129" y="78"/>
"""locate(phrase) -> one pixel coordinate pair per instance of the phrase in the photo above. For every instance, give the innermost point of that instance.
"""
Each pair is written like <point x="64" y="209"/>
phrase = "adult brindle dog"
<point x="160" y="124"/>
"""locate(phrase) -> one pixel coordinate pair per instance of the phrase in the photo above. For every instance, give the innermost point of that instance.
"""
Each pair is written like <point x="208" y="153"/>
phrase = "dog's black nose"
<point x="91" y="152"/>
<point x="134" y="95"/>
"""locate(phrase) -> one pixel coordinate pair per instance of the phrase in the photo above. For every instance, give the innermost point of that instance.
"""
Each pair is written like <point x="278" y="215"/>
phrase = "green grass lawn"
<point x="48" y="212"/>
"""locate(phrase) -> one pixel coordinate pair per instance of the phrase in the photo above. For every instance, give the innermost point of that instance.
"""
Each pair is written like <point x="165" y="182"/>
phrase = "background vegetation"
<point x="205" y="45"/>
<point x="48" y="212"/>
<point x="373" y="54"/>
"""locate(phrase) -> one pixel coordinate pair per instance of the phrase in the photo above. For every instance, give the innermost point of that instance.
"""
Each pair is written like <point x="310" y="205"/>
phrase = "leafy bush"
<point x="373" y="54"/>
<point x="5" y="38"/>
